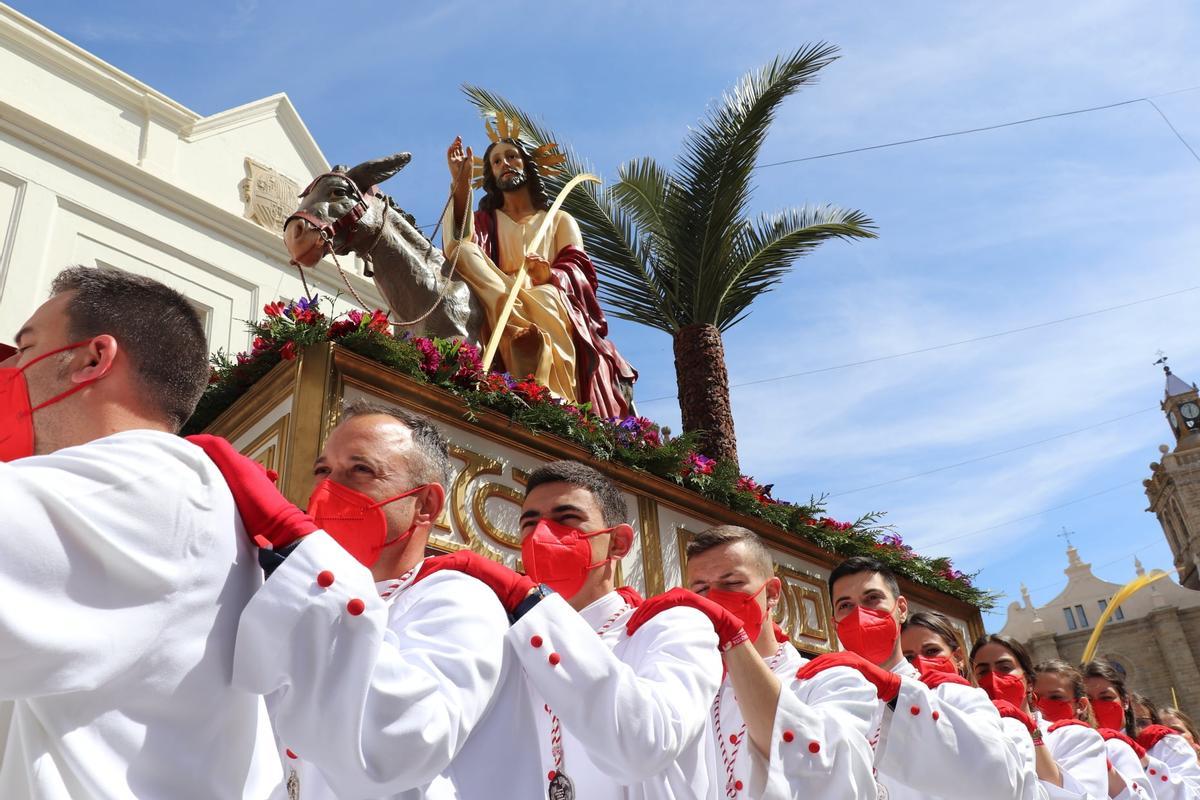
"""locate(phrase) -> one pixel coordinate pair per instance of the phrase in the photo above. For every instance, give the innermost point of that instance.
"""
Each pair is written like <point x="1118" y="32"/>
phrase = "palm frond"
<point x="647" y="192"/>
<point x="620" y="251"/>
<point x="718" y="159"/>
<point x="764" y="252"/>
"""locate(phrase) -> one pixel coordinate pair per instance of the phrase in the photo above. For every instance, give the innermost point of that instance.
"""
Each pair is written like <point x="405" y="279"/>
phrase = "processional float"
<point x="283" y="419"/>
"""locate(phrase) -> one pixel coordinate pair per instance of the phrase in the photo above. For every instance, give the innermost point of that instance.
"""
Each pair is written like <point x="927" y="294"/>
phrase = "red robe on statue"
<point x="600" y="369"/>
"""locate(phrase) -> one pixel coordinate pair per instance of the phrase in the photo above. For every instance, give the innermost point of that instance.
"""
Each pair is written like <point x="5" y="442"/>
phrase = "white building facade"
<point x="96" y="168"/>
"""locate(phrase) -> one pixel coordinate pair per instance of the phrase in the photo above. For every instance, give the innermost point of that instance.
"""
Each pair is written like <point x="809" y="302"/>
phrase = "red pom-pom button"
<point x="936" y="714"/>
<point x="788" y="736"/>
<point x="737" y="785"/>
<point x="324" y="579"/>
<point x="554" y="659"/>
<point x="356" y="607"/>
<point x="814" y="747"/>
<point x="733" y="738"/>
<point x="535" y="641"/>
<point x="290" y="754"/>
<point x="550" y="775"/>
<point x="914" y="710"/>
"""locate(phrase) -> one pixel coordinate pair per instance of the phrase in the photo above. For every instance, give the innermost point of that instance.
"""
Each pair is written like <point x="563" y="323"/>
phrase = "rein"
<point x="348" y="223"/>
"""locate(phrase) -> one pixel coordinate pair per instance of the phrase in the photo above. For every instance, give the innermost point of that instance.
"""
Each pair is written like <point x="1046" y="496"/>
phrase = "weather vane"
<point x="1162" y="359"/>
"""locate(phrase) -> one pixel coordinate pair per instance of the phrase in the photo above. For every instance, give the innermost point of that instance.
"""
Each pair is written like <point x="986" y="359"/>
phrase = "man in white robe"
<point x="776" y="736"/>
<point x="123" y="567"/>
<point x="619" y="715"/>
<point x="384" y="681"/>
<point x="932" y="741"/>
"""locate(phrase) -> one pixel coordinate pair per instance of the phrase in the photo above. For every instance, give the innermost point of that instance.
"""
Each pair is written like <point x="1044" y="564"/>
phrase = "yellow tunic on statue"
<point x="552" y="360"/>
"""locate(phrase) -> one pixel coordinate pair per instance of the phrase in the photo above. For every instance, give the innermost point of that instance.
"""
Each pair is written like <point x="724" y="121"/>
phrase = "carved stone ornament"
<point x="269" y="195"/>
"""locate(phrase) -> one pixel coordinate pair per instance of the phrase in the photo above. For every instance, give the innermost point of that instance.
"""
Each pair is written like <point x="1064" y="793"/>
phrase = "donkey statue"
<point x="342" y="211"/>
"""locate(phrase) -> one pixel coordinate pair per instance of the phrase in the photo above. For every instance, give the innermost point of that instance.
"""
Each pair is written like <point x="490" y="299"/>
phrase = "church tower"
<point x="1174" y="485"/>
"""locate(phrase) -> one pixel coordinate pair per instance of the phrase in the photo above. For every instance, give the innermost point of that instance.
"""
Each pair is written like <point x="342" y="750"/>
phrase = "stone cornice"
<point x="278" y="107"/>
<point x="222" y="224"/>
<point x="89" y="70"/>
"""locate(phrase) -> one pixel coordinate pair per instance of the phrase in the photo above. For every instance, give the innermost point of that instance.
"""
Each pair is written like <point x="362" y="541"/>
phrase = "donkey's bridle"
<point x="345" y="224"/>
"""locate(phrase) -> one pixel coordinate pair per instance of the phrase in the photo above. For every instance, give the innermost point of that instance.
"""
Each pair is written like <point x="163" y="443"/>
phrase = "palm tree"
<point x="677" y="252"/>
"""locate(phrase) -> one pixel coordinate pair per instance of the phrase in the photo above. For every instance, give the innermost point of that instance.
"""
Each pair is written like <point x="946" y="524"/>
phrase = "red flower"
<point x="531" y="390"/>
<point x="342" y="327"/>
<point x="274" y="309"/>
<point x="378" y="322"/>
<point x="288" y="351"/>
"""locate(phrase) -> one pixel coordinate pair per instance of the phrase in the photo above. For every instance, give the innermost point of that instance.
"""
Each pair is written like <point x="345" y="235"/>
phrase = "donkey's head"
<point x="336" y="207"/>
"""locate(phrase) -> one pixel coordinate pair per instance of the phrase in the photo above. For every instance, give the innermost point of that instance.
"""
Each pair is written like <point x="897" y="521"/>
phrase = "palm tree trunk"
<point x="704" y="389"/>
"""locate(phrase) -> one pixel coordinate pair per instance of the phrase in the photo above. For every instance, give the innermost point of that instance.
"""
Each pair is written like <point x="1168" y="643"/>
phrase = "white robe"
<point x="1180" y="759"/>
<point x="123" y="569"/>
<point x="633" y="709"/>
<point x="1127" y="764"/>
<point x="1033" y="787"/>
<point x="1081" y="751"/>
<point x="415" y="697"/>
<point x="832" y="712"/>
<point x="941" y="742"/>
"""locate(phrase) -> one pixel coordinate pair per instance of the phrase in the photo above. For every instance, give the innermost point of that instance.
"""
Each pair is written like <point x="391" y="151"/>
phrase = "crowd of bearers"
<point x="196" y="635"/>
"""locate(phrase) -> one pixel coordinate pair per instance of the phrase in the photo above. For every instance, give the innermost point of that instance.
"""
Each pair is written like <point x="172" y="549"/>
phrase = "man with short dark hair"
<point x="620" y="712"/>
<point x="777" y="736"/>
<point x="384" y="681"/>
<point x="122" y="565"/>
<point x="936" y="734"/>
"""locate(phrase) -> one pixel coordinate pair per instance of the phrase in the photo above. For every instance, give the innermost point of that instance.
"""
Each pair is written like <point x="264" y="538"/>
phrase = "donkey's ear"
<point x="371" y="173"/>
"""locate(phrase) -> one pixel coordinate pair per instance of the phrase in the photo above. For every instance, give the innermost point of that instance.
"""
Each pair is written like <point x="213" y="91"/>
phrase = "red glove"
<point x="630" y="596"/>
<point x="1109" y="733"/>
<point x="935" y="678"/>
<point x="267" y="514"/>
<point x="780" y="634"/>
<point x="1007" y="709"/>
<point x="887" y="683"/>
<point x="1063" y="723"/>
<point x="1152" y="734"/>
<point x="511" y="587"/>
<point x="728" y="627"/>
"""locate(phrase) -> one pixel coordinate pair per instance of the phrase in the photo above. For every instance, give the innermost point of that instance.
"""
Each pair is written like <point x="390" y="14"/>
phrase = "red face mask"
<point x="934" y="664"/>
<point x="355" y="520"/>
<point x="16" y="416"/>
<point x="1004" y="686"/>
<point x="559" y="556"/>
<point x="1109" y="714"/>
<point x="743" y="606"/>
<point x="870" y="632"/>
<point x="1056" y="710"/>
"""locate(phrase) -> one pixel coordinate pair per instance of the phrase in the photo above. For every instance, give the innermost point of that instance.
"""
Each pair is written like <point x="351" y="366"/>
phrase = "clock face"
<point x="1174" y="420"/>
<point x="1189" y="410"/>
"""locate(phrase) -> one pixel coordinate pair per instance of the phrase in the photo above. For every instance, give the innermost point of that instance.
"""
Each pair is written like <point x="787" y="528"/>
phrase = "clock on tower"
<point x="1174" y="485"/>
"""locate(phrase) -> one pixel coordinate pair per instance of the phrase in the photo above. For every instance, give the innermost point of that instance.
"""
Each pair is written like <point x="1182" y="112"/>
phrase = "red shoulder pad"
<point x="1153" y="734"/>
<point x="1109" y="733"/>
<point x="630" y="596"/>
<point x="1064" y="723"/>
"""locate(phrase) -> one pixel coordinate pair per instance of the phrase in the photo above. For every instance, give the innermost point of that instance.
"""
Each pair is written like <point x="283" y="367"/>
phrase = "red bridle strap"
<point x="342" y="226"/>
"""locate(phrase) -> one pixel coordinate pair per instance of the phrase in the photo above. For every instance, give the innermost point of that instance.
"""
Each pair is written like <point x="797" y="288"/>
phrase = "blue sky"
<point x="978" y="234"/>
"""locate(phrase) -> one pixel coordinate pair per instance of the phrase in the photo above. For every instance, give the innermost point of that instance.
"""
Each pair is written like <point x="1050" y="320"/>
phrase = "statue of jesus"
<point x="557" y="331"/>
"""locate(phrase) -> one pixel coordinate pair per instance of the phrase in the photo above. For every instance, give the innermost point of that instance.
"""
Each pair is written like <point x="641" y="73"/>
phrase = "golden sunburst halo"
<point x="546" y="156"/>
